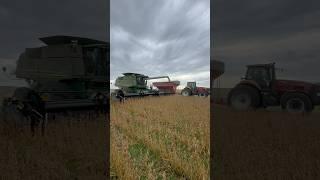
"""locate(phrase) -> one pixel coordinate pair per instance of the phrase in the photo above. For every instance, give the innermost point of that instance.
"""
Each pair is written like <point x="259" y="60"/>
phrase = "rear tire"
<point x="296" y="102"/>
<point x="186" y="92"/>
<point x="244" y="97"/>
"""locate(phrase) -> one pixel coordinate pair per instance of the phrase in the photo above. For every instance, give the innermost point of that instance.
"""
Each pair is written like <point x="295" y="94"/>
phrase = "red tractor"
<point x="260" y="88"/>
<point x="192" y="89"/>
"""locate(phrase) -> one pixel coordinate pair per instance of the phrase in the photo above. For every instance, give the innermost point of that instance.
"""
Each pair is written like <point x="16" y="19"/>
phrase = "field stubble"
<point x="160" y="138"/>
<point x="72" y="148"/>
<point x="265" y="145"/>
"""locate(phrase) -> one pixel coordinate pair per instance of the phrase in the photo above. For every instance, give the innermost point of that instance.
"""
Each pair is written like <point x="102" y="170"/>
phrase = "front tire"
<point x="296" y="102"/>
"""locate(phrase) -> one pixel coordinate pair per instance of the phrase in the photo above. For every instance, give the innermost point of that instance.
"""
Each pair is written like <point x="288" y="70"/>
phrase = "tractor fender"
<point x="249" y="83"/>
<point x="186" y="88"/>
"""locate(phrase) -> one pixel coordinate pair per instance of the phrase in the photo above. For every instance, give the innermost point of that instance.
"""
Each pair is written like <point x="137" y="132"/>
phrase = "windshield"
<point x="258" y="73"/>
<point x="95" y="61"/>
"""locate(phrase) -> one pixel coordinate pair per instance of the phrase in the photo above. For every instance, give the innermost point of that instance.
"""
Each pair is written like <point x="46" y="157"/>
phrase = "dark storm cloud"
<point x="161" y="38"/>
<point x="286" y="32"/>
<point x="23" y="22"/>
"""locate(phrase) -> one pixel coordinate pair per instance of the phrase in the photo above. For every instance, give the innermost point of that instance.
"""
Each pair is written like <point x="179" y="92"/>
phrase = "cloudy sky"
<point x="23" y="22"/>
<point x="161" y="37"/>
<point x="283" y="31"/>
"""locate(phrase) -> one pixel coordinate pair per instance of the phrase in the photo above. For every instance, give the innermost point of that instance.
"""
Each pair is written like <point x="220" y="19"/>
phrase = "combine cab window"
<point x="95" y="61"/>
<point x="141" y="81"/>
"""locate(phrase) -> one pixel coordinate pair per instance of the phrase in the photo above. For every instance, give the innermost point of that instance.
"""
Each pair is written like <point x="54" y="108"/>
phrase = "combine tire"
<point x="244" y="97"/>
<point x="186" y="92"/>
<point x="120" y="96"/>
<point x="296" y="102"/>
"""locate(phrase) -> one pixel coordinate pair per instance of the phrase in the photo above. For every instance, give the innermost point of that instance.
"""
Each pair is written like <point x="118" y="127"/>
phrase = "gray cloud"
<point x="161" y="38"/>
<point x="285" y="32"/>
<point x="23" y="22"/>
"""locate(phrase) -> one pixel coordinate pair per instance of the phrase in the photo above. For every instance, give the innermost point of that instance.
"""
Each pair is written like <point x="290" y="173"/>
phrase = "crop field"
<point x="160" y="138"/>
<point x="265" y="145"/>
<point x="72" y="148"/>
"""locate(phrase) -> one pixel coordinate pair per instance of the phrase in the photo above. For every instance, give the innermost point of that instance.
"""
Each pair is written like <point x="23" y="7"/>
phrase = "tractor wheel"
<point x="244" y="97"/>
<point x="296" y="102"/>
<point x="186" y="92"/>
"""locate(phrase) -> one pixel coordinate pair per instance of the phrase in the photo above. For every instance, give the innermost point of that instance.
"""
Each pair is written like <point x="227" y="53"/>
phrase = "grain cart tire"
<point x="186" y="92"/>
<point x="202" y="95"/>
<point x="244" y="97"/>
<point x="296" y="102"/>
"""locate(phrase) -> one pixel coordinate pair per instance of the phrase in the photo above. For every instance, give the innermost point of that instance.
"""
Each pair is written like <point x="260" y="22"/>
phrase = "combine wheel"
<point x="244" y="97"/>
<point x="120" y="95"/>
<point x="296" y="102"/>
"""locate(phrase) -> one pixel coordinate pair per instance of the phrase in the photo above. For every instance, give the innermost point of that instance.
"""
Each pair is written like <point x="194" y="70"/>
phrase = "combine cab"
<point x="261" y="88"/>
<point x="68" y="72"/>
<point x="133" y="84"/>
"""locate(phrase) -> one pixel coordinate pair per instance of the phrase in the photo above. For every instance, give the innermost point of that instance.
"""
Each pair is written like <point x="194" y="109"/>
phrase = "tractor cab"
<point x="262" y="74"/>
<point x="192" y="86"/>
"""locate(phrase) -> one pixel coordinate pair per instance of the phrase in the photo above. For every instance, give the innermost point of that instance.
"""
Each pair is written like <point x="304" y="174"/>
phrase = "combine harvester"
<point x="67" y="73"/>
<point x="135" y="85"/>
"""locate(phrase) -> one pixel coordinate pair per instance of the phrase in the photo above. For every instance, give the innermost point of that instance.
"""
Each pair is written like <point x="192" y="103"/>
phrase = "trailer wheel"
<point x="296" y="102"/>
<point x="186" y="92"/>
<point x="244" y="97"/>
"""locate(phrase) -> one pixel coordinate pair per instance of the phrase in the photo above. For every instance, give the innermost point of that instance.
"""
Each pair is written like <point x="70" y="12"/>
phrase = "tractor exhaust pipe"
<point x="159" y="77"/>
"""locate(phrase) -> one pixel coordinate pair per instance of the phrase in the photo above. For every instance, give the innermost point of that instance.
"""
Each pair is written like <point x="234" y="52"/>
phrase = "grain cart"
<point x="261" y="88"/>
<point x="193" y="89"/>
<point x="66" y="73"/>
<point x="135" y="85"/>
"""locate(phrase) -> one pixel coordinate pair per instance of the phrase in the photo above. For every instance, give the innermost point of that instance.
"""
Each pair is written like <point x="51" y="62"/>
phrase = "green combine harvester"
<point x="66" y="73"/>
<point x="136" y="85"/>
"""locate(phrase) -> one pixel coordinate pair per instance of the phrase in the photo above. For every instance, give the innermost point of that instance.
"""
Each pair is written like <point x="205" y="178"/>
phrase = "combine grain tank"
<point x="67" y="72"/>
